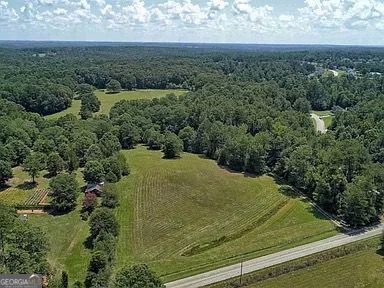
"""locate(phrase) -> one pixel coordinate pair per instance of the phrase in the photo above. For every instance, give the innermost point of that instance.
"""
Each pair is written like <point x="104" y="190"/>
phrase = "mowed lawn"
<point x="362" y="269"/>
<point x="66" y="235"/>
<point x="170" y="206"/>
<point x="108" y="100"/>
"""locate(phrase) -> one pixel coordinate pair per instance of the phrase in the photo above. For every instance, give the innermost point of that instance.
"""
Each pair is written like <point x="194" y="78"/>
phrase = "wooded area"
<point x="247" y="110"/>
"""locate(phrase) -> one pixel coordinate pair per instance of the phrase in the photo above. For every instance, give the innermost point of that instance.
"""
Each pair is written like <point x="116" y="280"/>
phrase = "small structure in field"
<point x="95" y="188"/>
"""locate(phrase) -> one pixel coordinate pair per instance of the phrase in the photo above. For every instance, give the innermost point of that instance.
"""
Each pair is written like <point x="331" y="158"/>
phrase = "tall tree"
<point x="94" y="172"/>
<point x="137" y="276"/>
<point x="55" y="164"/>
<point x="64" y="192"/>
<point x="5" y="172"/>
<point x="172" y="146"/>
<point x="113" y="86"/>
<point x="33" y="164"/>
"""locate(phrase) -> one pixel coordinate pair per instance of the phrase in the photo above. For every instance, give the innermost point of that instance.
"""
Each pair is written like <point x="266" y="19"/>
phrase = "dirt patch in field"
<point x="34" y="212"/>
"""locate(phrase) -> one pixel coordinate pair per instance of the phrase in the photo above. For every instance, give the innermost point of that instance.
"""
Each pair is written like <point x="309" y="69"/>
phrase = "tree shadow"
<point x="203" y="156"/>
<point x="54" y="212"/>
<point x="48" y="175"/>
<point x="27" y="185"/>
<point x="4" y="187"/>
<point x="314" y="211"/>
<point x="380" y="251"/>
<point x="174" y="158"/>
<point x="111" y="92"/>
<point x="88" y="242"/>
<point x="289" y="192"/>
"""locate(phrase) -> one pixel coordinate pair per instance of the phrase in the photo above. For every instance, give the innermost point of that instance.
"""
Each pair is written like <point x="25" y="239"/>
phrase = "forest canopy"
<point x="247" y="110"/>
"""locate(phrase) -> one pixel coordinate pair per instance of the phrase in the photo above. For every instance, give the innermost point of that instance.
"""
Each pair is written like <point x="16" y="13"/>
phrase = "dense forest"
<point x="247" y="110"/>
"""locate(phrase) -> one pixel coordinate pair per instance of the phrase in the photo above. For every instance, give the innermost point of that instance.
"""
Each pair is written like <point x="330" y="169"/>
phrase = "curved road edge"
<point x="256" y="264"/>
<point x="320" y="125"/>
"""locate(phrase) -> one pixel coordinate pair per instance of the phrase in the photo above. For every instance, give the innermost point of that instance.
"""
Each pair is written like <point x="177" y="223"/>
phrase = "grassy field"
<point x="108" y="100"/>
<point x="185" y="216"/>
<point x="192" y="207"/>
<point x="361" y="269"/>
<point x="20" y="187"/>
<point x="66" y="235"/>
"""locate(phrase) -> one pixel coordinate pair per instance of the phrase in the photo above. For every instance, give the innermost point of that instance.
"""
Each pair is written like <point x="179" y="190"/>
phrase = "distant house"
<point x="95" y="188"/>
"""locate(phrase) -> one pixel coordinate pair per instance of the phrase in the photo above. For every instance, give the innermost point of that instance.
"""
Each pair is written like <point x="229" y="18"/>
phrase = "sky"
<point x="357" y="22"/>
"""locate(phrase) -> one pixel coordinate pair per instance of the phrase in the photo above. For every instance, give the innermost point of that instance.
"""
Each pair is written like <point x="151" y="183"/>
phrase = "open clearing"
<point x="348" y="271"/>
<point x="188" y="215"/>
<point x="326" y="116"/>
<point x="66" y="233"/>
<point x="20" y="188"/>
<point x="108" y="100"/>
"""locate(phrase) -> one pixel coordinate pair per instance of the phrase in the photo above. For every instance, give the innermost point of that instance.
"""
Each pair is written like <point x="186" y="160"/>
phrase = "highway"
<point x="256" y="264"/>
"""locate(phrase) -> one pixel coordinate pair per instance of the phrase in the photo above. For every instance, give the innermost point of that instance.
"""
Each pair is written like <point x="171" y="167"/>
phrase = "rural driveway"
<point x="320" y="125"/>
<point x="231" y="271"/>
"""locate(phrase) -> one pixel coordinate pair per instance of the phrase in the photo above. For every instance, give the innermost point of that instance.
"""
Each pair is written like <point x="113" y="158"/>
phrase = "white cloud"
<point x="235" y="17"/>
<point x="341" y="14"/>
<point x="7" y="14"/>
<point x="218" y="4"/>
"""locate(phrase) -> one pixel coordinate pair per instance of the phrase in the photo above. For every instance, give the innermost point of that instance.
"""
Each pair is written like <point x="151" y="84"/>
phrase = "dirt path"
<point x="34" y="212"/>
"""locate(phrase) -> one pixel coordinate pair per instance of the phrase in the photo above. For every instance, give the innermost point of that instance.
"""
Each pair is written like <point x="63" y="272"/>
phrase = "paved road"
<point x="320" y="125"/>
<point x="274" y="259"/>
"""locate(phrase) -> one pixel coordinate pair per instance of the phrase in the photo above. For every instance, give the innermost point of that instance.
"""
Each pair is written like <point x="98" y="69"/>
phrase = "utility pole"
<point x="241" y="272"/>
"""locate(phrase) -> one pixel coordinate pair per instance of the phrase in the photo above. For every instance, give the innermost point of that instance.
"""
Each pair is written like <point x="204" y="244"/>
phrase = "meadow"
<point x="185" y="216"/>
<point x="65" y="233"/>
<point x="188" y="215"/>
<point x="108" y="100"/>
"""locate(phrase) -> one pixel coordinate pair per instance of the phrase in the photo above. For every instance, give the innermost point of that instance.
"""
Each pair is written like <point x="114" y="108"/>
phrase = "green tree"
<point x="112" y="169"/>
<point x="27" y="250"/>
<point x="110" y="197"/>
<point x="302" y="105"/>
<point x="122" y="160"/>
<point x="109" y="144"/>
<point x="64" y="192"/>
<point x="64" y="279"/>
<point x="18" y="151"/>
<point x="137" y="276"/>
<point x="33" y="164"/>
<point x="154" y="139"/>
<point x="172" y="146"/>
<point x="5" y="172"/>
<point x="73" y="162"/>
<point x="113" y="86"/>
<point x="103" y="219"/>
<point x="188" y="136"/>
<point x="55" y="164"/>
<point x="129" y="135"/>
<point x="94" y="153"/>
<point x="85" y="113"/>
<point x="8" y="217"/>
<point x="94" y="172"/>
<point x="358" y="202"/>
